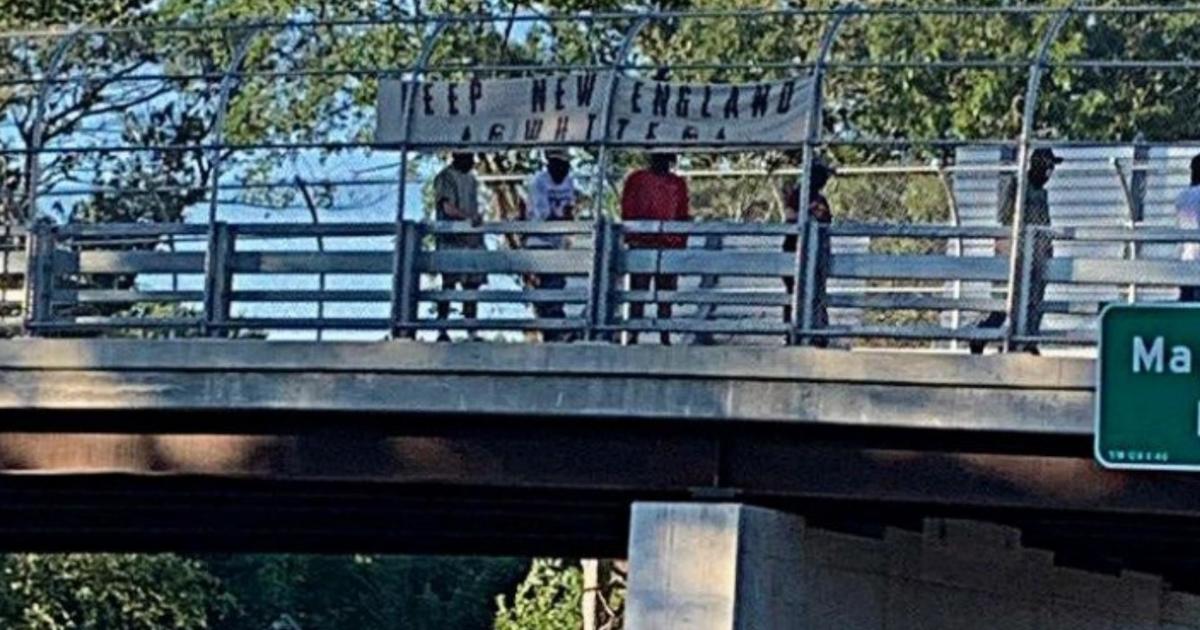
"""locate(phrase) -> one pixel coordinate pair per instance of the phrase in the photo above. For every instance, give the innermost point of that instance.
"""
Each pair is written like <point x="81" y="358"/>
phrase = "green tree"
<point x="24" y="58"/>
<point x="550" y="598"/>
<point x="108" y="592"/>
<point x="363" y="592"/>
<point x="315" y="91"/>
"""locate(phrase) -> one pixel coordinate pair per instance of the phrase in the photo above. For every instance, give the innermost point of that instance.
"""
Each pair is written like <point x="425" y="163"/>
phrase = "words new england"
<point x="577" y="108"/>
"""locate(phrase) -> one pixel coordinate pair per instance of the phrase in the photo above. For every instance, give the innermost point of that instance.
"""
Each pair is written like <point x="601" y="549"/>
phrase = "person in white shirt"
<point x="551" y="198"/>
<point x="1187" y="213"/>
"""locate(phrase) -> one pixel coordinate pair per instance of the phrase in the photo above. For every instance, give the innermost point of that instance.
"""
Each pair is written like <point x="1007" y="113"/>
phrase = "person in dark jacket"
<point x="1037" y="212"/>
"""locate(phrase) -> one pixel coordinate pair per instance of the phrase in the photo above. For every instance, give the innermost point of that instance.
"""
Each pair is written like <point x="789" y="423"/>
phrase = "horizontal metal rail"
<point x="111" y="277"/>
<point x="587" y="17"/>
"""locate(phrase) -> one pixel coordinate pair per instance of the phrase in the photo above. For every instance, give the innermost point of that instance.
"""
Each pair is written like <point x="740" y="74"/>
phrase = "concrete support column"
<point x="713" y="567"/>
<point x="736" y="567"/>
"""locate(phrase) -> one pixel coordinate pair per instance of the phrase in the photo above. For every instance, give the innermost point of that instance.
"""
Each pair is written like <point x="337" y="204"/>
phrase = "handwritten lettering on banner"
<point x="649" y="112"/>
<point x="571" y="109"/>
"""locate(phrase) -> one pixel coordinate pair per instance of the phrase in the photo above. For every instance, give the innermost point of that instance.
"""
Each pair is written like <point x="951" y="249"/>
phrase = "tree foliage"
<point x="318" y="85"/>
<point x="363" y="592"/>
<point x="550" y="598"/>
<point x="136" y="592"/>
<point x="109" y="592"/>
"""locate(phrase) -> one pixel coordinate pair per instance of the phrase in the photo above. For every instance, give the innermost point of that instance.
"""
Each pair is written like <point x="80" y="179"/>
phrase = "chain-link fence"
<point x="932" y="116"/>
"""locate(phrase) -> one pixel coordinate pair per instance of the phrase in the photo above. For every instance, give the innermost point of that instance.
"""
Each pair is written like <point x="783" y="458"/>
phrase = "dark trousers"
<point x="661" y="282"/>
<point x="996" y="319"/>
<point x="551" y="310"/>
<point x="642" y="282"/>
<point x="1043" y="252"/>
<point x="460" y="281"/>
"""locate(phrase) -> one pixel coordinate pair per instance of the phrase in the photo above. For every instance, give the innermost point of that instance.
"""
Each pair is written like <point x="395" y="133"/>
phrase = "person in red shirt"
<point x="655" y="194"/>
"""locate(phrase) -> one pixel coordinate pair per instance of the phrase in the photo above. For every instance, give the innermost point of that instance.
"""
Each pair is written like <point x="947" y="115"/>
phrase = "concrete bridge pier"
<point x="739" y="567"/>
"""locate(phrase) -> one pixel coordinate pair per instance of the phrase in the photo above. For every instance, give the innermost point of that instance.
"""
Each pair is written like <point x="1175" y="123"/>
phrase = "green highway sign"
<point x="1148" y="388"/>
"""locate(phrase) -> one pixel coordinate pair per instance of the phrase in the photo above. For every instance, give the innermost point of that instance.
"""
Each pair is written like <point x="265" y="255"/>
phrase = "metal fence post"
<point x="808" y="290"/>
<point x="607" y="234"/>
<point x="1132" y="205"/>
<point x="600" y="309"/>
<point x="802" y="298"/>
<point x="218" y="278"/>
<point x="224" y="93"/>
<point x="1137" y="209"/>
<point x="602" y="157"/>
<point x="406" y="281"/>
<point x="1024" y="314"/>
<point x="321" y="278"/>
<point x="1139" y="177"/>
<point x="956" y="245"/>
<point x="712" y="242"/>
<point x="39" y="276"/>
<point x="1024" y="150"/>
<point x="410" y="92"/>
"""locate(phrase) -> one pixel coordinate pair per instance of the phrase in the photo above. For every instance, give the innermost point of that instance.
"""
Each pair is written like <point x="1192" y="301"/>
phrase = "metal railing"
<point x="199" y="280"/>
<point x="76" y="94"/>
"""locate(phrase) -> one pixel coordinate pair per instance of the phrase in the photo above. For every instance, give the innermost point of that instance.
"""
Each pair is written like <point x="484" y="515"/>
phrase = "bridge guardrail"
<point x="233" y="279"/>
<point x="1072" y="281"/>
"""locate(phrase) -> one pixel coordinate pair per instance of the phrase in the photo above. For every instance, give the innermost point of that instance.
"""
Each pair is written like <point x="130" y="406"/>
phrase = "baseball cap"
<point x="557" y="154"/>
<point x="1044" y="156"/>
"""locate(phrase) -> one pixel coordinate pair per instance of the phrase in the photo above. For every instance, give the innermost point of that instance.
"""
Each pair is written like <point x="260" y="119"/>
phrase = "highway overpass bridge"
<point x="402" y="447"/>
<point x="541" y="448"/>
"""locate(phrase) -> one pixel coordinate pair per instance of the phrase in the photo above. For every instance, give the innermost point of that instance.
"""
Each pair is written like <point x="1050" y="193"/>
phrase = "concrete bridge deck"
<point x="514" y="448"/>
<point x="787" y="386"/>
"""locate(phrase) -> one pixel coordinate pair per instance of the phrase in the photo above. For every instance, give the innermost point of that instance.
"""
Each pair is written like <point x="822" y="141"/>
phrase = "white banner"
<point x="570" y="109"/>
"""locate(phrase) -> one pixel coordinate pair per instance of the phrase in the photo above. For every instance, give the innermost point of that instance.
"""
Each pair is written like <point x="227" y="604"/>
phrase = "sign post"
<point x="1148" y="388"/>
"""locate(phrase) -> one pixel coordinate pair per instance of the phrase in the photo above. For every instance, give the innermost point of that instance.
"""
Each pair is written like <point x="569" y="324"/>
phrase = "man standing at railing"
<point x="1037" y="213"/>
<point x="551" y="198"/>
<point x="655" y="194"/>
<point x="456" y="190"/>
<point x="1187" y="213"/>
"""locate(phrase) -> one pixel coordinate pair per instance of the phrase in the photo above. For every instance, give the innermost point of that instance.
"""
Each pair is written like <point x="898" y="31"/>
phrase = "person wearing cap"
<point x="1187" y="216"/>
<point x="456" y="191"/>
<point x="1037" y="212"/>
<point x="655" y="194"/>
<point x="551" y="197"/>
<point x="819" y="211"/>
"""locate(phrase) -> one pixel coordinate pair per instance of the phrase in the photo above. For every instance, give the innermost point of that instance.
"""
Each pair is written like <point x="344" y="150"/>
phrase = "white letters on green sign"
<point x="1150" y="358"/>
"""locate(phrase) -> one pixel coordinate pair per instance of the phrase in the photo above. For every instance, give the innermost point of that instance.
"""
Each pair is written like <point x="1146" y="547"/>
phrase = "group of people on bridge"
<point x="653" y="193"/>
<point x="657" y="193"/>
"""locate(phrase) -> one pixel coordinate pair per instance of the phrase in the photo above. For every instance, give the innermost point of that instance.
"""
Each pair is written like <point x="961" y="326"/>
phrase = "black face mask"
<point x="558" y="170"/>
<point x="661" y="163"/>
